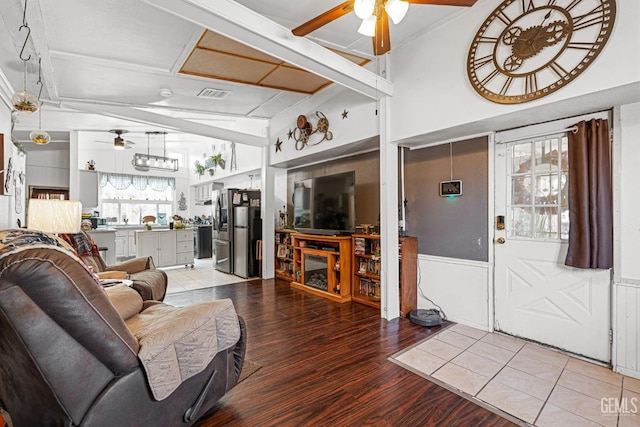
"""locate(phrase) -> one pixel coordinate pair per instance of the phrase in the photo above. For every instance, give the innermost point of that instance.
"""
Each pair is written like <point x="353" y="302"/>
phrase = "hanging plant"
<point x="199" y="168"/>
<point x="215" y="159"/>
<point x="212" y="171"/>
<point x="16" y="143"/>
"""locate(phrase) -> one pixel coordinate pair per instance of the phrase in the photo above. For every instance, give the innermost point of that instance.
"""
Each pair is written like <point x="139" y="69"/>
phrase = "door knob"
<point x="501" y="240"/>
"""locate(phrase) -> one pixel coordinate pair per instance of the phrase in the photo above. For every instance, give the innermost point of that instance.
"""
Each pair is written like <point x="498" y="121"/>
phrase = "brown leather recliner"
<point x="67" y="356"/>
<point x="150" y="282"/>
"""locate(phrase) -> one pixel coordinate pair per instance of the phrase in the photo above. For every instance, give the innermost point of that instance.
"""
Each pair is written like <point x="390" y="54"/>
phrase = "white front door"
<point x="536" y="296"/>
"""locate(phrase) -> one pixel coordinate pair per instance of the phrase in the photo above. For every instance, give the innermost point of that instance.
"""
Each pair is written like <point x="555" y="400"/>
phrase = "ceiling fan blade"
<point x="323" y="19"/>
<point x="381" y="40"/>
<point x="466" y="3"/>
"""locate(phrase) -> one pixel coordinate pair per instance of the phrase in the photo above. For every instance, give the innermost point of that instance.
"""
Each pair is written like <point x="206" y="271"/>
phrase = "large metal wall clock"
<point x="527" y="49"/>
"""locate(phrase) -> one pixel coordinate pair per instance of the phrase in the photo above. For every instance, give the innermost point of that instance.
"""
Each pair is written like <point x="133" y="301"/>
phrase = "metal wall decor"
<point x="304" y="130"/>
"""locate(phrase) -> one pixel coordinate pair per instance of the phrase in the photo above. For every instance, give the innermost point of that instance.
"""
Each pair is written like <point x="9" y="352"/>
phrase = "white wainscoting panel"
<point x="626" y="342"/>
<point x="460" y="287"/>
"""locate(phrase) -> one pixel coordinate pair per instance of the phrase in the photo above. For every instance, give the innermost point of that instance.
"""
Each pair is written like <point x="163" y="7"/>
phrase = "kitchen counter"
<point x="102" y="230"/>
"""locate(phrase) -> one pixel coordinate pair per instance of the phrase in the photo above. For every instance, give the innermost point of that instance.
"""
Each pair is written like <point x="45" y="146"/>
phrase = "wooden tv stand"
<point x="322" y="265"/>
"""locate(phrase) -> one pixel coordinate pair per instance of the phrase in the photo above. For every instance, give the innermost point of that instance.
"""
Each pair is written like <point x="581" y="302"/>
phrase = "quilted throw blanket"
<point x="17" y="239"/>
<point x="178" y="343"/>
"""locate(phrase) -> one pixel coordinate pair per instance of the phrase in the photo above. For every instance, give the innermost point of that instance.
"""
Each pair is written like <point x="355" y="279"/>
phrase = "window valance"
<point x="121" y="181"/>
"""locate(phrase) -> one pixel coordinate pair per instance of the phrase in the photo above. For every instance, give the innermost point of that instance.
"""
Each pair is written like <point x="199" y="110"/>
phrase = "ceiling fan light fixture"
<point x="119" y="143"/>
<point x="396" y="9"/>
<point x="368" y="26"/>
<point x="363" y="8"/>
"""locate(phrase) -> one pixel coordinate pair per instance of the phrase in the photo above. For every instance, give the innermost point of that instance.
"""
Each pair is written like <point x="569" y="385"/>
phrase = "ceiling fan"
<point x="118" y="142"/>
<point x="375" y="16"/>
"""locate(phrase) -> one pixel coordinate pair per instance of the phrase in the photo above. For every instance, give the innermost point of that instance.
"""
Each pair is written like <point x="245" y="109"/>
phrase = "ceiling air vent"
<point x="213" y="93"/>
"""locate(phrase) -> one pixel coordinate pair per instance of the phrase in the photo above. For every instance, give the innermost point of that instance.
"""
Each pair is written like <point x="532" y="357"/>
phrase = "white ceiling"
<point x="112" y="57"/>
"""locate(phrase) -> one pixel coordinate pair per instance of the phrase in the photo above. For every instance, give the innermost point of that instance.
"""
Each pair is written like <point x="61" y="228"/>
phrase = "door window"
<point x="538" y="202"/>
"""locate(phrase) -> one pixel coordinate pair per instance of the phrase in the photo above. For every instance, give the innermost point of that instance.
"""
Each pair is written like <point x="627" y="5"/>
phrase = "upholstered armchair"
<point x="150" y="282"/>
<point x="75" y="353"/>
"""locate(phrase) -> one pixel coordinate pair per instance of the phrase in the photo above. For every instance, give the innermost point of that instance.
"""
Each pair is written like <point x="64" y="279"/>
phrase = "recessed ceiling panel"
<point x="220" y="65"/>
<point x="219" y="57"/>
<point x="217" y="42"/>
<point x="294" y="79"/>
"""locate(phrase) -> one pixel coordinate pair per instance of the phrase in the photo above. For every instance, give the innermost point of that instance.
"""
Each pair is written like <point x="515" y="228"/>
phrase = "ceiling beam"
<point x="242" y="24"/>
<point x="165" y="122"/>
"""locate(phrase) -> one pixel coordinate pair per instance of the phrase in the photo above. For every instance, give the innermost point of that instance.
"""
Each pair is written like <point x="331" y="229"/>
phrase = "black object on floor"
<point x="427" y="318"/>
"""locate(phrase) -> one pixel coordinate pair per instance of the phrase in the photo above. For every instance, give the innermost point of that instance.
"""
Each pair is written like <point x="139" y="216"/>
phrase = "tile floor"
<point x="539" y="386"/>
<point x="203" y="275"/>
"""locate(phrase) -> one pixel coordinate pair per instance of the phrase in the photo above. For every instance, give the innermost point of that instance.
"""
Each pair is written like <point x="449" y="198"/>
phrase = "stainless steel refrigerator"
<point x="222" y="224"/>
<point x="247" y="230"/>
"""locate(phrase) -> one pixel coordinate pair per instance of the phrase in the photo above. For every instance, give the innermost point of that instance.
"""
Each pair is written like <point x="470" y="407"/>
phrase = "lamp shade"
<point x="396" y="9"/>
<point x="363" y="8"/>
<point x="54" y="216"/>
<point x="368" y="26"/>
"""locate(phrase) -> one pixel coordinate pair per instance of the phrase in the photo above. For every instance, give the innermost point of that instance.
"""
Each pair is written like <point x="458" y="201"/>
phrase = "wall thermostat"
<point x="450" y="188"/>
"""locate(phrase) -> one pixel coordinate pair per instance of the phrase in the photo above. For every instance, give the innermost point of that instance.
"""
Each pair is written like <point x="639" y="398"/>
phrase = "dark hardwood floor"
<point x="325" y="364"/>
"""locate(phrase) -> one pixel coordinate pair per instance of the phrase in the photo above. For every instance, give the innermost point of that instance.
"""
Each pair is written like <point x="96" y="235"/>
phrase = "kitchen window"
<point x="126" y="199"/>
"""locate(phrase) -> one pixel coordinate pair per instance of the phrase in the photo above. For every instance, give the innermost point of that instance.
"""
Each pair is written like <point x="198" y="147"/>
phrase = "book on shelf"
<point x="359" y="247"/>
<point x="370" y="288"/>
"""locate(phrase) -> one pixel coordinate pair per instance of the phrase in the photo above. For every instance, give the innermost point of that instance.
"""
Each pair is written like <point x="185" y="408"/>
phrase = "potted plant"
<point x="199" y="168"/>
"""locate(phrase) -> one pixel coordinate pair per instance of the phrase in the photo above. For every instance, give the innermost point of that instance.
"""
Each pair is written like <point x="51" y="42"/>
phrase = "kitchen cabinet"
<point x="184" y="247"/>
<point x="125" y="243"/>
<point x="88" y="188"/>
<point x="166" y="247"/>
<point x="203" y="192"/>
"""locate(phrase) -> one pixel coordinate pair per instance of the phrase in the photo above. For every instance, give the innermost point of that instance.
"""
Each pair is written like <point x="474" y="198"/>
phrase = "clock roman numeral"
<point x="490" y="77"/>
<point x="573" y="4"/>
<point x="485" y="39"/>
<point x="531" y="83"/>
<point x="481" y="62"/>
<point x="504" y="18"/>
<point x="527" y="5"/>
<point x="582" y="45"/>
<point x="594" y="17"/>
<point x="506" y="86"/>
<point x="556" y="68"/>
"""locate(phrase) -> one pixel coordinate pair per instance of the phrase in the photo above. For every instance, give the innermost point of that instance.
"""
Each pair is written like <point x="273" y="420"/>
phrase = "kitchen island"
<point x="167" y="247"/>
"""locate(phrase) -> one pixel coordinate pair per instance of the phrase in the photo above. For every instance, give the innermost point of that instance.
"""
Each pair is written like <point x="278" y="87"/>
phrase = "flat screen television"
<point x="325" y="205"/>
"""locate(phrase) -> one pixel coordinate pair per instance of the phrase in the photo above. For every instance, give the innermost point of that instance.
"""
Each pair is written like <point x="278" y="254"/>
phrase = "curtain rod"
<point x="573" y="129"/>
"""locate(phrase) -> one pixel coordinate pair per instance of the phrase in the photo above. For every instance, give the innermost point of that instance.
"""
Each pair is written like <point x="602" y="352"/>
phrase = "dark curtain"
<point x="590" y="199"/>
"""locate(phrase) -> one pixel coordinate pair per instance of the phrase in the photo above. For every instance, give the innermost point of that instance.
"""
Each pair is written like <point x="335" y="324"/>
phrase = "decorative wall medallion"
<point x="304" y="129"/>
<point x="527" y="49"/>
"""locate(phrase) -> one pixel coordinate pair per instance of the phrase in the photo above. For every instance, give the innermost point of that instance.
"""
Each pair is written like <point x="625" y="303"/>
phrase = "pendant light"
<point x="39" y="136"/>
<point x="144" y="162"/>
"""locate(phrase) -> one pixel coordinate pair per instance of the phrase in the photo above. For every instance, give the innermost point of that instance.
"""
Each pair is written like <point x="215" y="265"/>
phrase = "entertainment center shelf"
<point x="284" y="255"/>
<point x="344" y="268"/>
<point x="322" y="265"/>
<point x="366" y="271"/>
